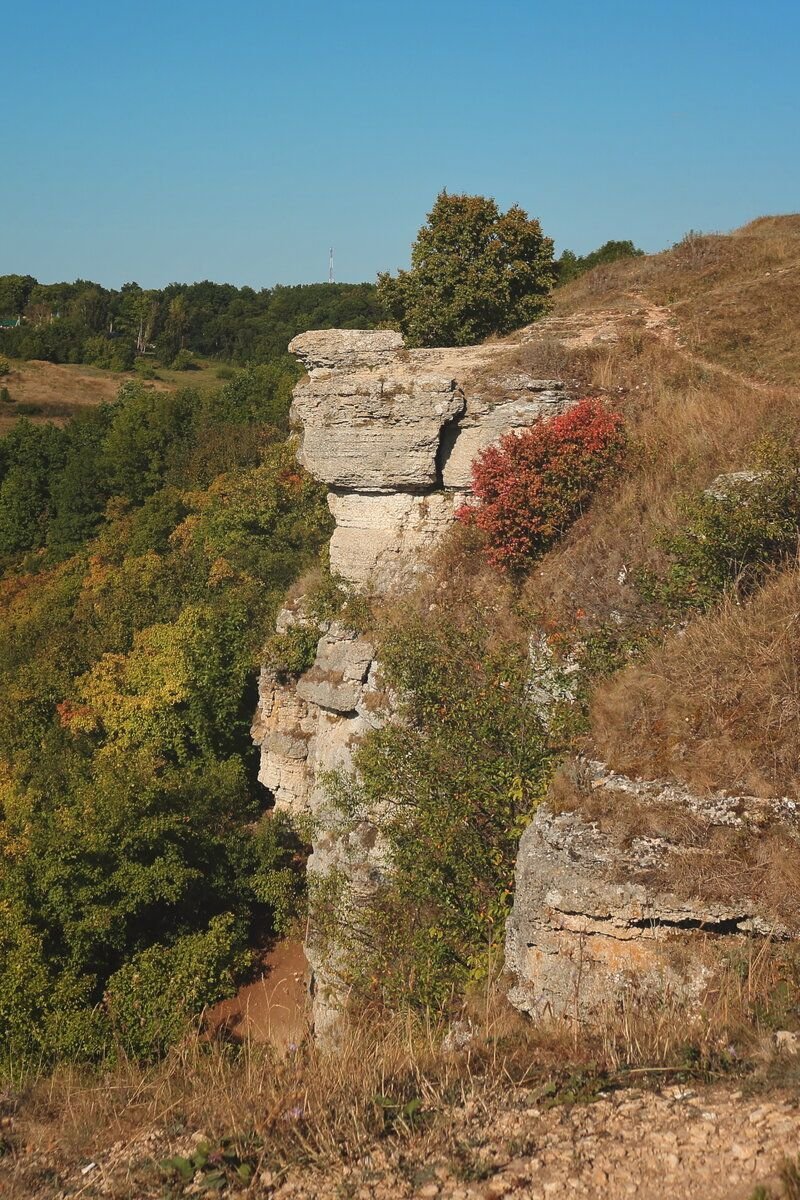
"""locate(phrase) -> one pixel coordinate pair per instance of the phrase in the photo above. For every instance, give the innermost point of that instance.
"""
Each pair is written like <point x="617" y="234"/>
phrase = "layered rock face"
<point x="595" y="924"/>
<point x="394" y="433"/>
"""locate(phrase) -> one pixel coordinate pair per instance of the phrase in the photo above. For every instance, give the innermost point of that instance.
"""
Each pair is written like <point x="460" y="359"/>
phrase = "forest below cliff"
<point x="146" y="546"/>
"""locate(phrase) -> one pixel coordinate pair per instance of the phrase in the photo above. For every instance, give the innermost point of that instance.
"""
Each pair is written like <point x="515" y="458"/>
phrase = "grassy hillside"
<point x="665" y="616"/>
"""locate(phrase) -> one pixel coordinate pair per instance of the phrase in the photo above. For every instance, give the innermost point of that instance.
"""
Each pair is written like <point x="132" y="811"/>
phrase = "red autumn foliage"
<point x="531" y="486"/>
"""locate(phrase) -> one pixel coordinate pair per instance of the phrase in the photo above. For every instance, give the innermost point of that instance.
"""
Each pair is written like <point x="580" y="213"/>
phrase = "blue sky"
<point x="176" y="140"/>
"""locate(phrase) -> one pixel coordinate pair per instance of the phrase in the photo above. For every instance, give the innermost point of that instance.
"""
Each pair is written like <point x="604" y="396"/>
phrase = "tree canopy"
<point x="84" y="322"/>
<point x="474" y="271"/>
<point x="571" y="265"/>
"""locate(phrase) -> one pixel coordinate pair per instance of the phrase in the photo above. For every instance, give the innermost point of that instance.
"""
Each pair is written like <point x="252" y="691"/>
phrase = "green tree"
<point x="474" y="271"/>
<point x="570" y="265"/>
<point x="33" y="455"/>
<point x="15" y="292"/>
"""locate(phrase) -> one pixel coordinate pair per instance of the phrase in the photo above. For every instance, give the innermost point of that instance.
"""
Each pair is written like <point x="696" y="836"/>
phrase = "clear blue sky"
<point x="237" y="141"/>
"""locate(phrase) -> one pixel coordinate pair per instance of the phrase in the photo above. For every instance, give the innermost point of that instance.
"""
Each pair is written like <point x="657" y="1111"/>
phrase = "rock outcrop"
<point x="394" y="433"/>
<point x="595" y="923"/>
<point x="307" y="729"/>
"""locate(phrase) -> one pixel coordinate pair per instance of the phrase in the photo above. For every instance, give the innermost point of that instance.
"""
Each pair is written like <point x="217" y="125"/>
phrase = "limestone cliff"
<point x="393" y="433"/>
<point x="596" y="918"/>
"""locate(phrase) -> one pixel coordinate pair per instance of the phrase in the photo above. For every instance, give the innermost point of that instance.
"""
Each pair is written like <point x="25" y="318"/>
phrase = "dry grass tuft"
<point x="391" y="1089"/>
<point x="718" y="705"/>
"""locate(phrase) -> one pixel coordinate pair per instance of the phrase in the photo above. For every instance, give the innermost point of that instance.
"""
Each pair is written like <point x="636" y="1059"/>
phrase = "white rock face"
<point x="484" y="423"/>
<point x="394" y="434"/>
<point x="373" y="432"/>
<point x="312" y="725"/>
<point x="381" y="541"/>
<point x="327" y="349"/>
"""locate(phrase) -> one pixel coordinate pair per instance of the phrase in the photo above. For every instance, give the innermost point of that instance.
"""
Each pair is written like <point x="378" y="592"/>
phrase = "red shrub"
<point x="531" y="486"/>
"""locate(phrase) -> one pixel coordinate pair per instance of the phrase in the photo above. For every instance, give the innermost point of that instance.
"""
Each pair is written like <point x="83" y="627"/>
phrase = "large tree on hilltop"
<point x="474" y="271"/>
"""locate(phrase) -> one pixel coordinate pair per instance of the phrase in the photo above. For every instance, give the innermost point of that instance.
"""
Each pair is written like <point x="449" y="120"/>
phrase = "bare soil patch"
<point x="274" y="1008"/>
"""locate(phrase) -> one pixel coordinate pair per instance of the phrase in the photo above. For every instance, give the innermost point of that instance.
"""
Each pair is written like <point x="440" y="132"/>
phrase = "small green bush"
<point x="5" y="396"/>
<point x="5" y="366"/>
<point x="733" y="535"/>
<point x="112" y="354"/>
<point x="291" y="653"/>
<point x="154" y="998"/>
<point x="183" y="361"/>
<point x="145" y="369"/>
<point x="225" y="372"/>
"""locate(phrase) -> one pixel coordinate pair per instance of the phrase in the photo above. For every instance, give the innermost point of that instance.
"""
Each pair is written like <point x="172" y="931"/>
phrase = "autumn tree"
<point x="474" y="271"/>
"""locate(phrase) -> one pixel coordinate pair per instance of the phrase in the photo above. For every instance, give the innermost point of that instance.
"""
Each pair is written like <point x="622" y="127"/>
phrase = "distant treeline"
<point x="571" y="265"/>
<point x="85" y="322"/>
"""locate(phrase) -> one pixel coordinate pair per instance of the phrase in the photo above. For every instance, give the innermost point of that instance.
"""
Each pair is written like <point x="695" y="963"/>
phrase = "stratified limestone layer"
<point x="383" y="541"/>
<point x="590" y="930"/>
<point x="394" y="433"/>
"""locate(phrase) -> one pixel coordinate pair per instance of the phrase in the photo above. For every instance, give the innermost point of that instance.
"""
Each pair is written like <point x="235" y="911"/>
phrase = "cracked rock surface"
<point x="593" y="924"/>
<point x="394" y="434"/>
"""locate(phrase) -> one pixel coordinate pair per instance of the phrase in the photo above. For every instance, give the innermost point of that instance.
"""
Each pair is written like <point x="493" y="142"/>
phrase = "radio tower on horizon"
<point x="330" y="266"/>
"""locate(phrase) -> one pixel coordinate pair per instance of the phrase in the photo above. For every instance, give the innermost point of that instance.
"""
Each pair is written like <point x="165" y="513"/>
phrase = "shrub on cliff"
<point x="732" y="534"/>
<point x="474" y="271"/>
<point x="450" y="787"/>
<point x="530" y="487"/>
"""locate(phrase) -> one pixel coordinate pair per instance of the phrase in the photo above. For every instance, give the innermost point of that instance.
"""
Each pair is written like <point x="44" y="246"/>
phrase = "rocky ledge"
<point x="394" y="433"/>
<point x="597" y="921"/>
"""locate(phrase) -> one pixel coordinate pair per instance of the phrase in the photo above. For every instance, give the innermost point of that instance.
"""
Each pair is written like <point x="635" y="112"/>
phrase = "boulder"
<point x="594" y="924"/>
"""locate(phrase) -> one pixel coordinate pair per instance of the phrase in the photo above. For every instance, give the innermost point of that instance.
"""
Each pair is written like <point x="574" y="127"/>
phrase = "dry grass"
<point x="759" y="861"/>
<point x="686" y="425"/>
<point x="317" y="1112"/>
<point x="717" y="705"/>
<point x="59" y="390"/>
<point x="733" y="299"/>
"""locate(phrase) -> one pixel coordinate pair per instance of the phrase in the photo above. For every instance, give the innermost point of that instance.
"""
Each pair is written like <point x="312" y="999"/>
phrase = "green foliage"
<point x="5" y="396"/>
<point x="732" y="535"/>
<point x="183" y="361"/>
<point x="70" y="322"/>
<point x="276" y="876"/>
<point x="146" y="432"/>
<point x="5" y="366"/>
<point x="474" y="271"/>
<point x="153" y="999"/>
<point x="454" y="785"/>
<point x="291" y="653"/>
<point x="571" y="265"/>
<point x="165" y="530"/>
<point x="230" y="1164"/>
<point x="33" y="455"/>
<point x="15" y="292"/>
<point x="145" y="369"/>
<point x="113" y="354"/>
